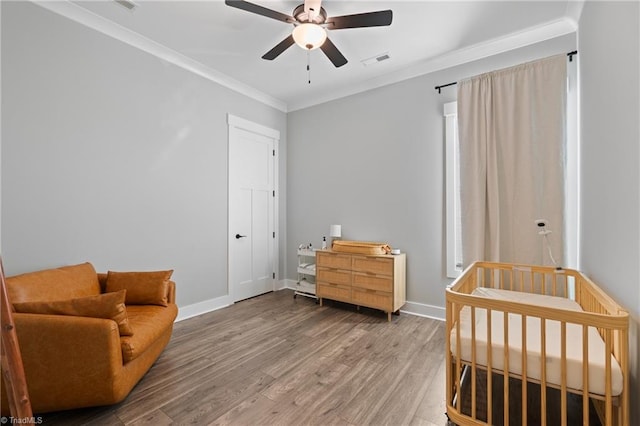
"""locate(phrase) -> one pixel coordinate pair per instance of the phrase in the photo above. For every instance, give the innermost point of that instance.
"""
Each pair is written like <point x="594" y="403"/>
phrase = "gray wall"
<point x="608" y="39"/>
<point x="374" y="163"/>
<point x="113" y="156"/>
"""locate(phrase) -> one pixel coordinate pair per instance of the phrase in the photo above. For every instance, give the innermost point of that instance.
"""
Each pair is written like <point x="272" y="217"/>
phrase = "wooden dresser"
<point x="374" y="281"/>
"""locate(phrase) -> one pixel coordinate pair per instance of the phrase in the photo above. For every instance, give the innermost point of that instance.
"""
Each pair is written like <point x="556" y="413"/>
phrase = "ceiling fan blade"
<point x="278" y="49"/>
<point x="370" y="19"/>
<point x="259" y="10"/>
<point x="333" y="53"/>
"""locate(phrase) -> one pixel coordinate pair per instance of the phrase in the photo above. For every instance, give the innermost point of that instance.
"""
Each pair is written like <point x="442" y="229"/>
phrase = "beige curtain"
<point x="512" y="161"/>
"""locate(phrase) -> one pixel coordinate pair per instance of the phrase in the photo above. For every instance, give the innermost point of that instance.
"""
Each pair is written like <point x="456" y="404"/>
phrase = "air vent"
<point x="129" y="5"/>
<point x="376" y="59"/>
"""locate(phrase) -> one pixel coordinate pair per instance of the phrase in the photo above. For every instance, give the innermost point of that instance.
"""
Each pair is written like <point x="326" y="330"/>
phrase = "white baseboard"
<point x="424" y="310"/>
<point x="189" y="311"/>
<point x="287" y="283"/>
<point x="200" y="308"/>
<point x="211" y="305"/>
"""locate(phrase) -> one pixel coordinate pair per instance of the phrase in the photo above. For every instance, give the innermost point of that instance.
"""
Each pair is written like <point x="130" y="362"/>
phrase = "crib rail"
<point x="599" y="312"/>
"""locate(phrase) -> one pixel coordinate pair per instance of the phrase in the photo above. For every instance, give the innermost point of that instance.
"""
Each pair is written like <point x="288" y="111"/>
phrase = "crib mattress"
<point x="596" y="355"/>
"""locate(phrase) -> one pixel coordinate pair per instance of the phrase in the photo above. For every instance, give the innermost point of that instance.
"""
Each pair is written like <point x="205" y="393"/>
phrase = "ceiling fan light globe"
<point x="309" y="36"/>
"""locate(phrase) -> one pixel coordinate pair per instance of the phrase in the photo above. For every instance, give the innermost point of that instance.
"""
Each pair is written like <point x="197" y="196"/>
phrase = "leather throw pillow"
<point x="143" y="288"/>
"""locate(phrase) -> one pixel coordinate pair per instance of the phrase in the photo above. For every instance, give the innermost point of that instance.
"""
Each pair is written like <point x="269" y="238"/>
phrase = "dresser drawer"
<point x="334" y="292"/>
<point x="373" y="282"/>
<point x="333" y="276"/>
<point x="374" y="265"/>
<point x="331" y="260"/>
<point x="373" y="299"/>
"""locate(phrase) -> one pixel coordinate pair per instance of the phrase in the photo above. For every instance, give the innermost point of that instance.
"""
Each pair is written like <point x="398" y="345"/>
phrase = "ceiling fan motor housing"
<point x="302" y="16"/>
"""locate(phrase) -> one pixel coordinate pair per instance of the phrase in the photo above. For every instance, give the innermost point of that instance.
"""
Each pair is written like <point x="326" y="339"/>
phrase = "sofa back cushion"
<point x="67" y="282"/>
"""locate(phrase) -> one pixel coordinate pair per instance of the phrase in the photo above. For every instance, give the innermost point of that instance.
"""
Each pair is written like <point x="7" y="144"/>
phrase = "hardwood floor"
<point x="276" y="360"/>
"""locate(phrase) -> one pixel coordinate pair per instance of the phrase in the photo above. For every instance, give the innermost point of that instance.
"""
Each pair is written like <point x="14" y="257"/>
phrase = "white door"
<point x="251" y="240"/>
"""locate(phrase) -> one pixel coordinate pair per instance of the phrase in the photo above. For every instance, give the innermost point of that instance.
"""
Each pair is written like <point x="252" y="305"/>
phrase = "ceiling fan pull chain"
<point x="309" y="65"/>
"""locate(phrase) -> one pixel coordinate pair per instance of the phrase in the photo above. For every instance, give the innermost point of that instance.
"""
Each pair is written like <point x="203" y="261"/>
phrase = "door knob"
<point x="238" y="236"/>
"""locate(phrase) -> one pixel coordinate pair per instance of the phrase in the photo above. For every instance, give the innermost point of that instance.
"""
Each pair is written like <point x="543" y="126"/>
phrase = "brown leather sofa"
<point x="73" y="361"/>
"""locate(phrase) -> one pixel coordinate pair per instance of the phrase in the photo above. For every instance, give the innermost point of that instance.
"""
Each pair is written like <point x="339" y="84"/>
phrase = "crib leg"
<point x="449" y="422"/>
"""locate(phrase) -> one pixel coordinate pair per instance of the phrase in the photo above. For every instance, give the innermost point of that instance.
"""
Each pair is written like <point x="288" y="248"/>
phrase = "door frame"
<point x="243" y="124"/>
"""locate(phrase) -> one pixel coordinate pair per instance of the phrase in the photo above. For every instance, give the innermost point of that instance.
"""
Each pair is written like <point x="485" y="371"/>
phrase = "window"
<point x="452" y="170"/>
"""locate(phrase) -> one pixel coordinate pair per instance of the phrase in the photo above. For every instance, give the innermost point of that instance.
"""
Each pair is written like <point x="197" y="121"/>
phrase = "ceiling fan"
<point x="310" y="24"/>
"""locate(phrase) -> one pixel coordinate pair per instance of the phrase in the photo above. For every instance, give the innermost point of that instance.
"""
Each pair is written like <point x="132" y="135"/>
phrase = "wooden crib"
<point x="520" y="333"/>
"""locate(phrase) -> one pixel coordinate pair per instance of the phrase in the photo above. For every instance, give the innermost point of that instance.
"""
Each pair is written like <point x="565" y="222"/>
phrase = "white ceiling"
<point x="226" y="44"/>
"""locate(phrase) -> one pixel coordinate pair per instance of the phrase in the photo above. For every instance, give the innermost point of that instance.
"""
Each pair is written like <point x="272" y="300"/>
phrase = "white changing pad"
<point x="596" y="357"/>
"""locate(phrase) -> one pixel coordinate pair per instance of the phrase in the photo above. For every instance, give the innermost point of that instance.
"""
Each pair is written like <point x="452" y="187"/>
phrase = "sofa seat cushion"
<point x="67" y="282"/>
<point x="148" y="323"/>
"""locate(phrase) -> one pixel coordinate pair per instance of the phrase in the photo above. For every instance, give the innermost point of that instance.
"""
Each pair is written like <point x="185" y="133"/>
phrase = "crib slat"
<point x="492" y="281"/>
<point x="489" y="372"/>
<point x="505" y="402"/>
<point x="458" y="357"/>
<point x="522" y="281"/>
<point x="585" y="374"/>
<point x="524" y="370"/>
<point x="473" y="362"/>
<point x="543" y="371"/>
<point x="624" y="364"/>
<point x="532" y="279"/>
<point x="512" y="280"/>
<point x="563" y="372"/>
<point x="607" y="377"/>
<point x="447" y="340"/>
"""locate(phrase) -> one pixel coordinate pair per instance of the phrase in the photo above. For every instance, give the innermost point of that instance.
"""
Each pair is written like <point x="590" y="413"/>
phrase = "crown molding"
<point x="529" y="36"/>
<point x="574" y="11"/>
<point x="566" y="25"/>
<point x="96" y="22"/>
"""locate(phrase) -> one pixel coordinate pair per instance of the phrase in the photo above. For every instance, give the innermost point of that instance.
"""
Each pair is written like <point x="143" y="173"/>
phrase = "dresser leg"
<point x="320" y="300"/>
<point x="388" y="316"/>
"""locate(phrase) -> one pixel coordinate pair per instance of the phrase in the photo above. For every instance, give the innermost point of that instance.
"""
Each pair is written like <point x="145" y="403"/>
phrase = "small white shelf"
<point x="306" y="285"/>
<point x="307" y="269"/>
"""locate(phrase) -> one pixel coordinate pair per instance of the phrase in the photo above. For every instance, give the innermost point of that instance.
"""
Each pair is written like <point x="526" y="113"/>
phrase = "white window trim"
<point x="451" y="137"/>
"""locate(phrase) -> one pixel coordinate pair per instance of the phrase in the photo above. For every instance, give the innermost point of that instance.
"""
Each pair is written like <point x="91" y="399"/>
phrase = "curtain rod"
<point x="438" y="88"/>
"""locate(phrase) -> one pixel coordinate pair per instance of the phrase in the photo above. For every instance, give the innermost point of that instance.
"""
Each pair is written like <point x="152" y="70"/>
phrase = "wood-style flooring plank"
<point x="402" y="404"/>
<point x="276" y="360"/>
<point x="433" y="407"/>
<point x="154" y="418"/>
